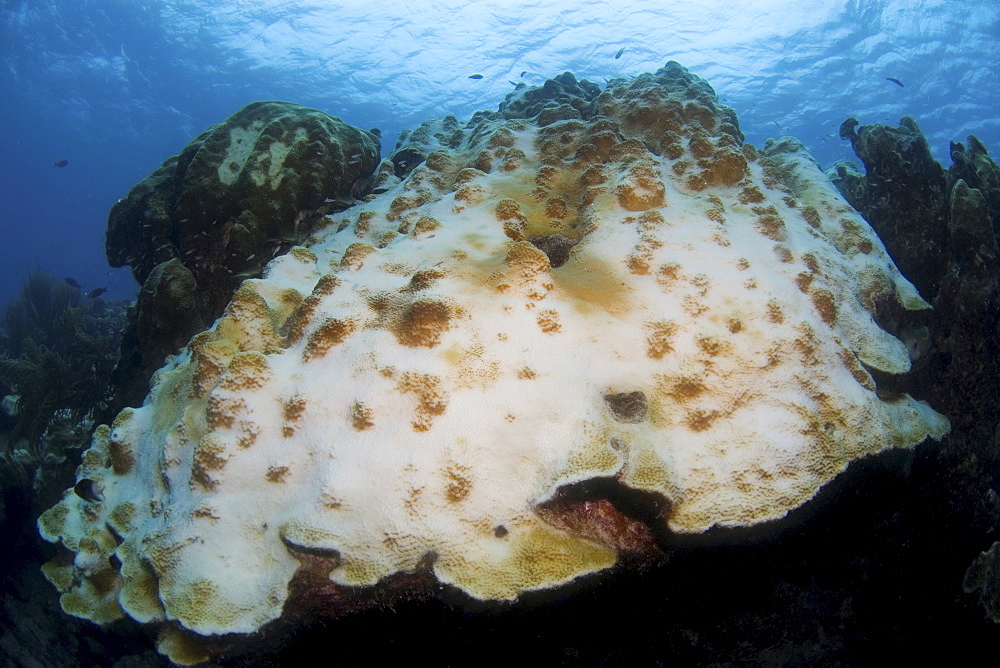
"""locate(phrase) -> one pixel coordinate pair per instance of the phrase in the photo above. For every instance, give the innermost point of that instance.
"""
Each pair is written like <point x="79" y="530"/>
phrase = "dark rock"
<point x="564" y="89"/>
<point x="903" y="194"/>
<point x="235" y="196"/>
<point x="241" y="193"/>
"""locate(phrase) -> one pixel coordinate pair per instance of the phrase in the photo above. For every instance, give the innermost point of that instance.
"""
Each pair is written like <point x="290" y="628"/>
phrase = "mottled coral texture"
<point x="628" y="296"/>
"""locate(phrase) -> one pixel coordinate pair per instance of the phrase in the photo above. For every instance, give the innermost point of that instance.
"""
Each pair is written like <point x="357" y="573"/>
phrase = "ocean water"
<point x="115" y="86"/>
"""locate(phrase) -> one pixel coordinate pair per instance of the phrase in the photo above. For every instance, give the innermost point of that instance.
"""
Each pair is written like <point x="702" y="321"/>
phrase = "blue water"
<point x="116" y="86"/>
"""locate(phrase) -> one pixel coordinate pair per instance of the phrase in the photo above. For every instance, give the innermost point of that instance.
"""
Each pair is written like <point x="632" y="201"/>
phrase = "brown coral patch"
<point x="825" y="304"/>
<point x="751" y="195"/>
<point x="514" y="221"/>
<point x="332" y="332"/>
<point x="292" y="411"/>
<point x="424" y="278"/>
<point x="276" y="474"/>
<point x="355" y="255"/>
<point x="772" y="227"/>
<point x="641" y="189"/>
<point x="425" y="225"/>
<point x="209" y="456"/>
<point x="246" y="372"/>
<point x="659" y="340"/>
<point x="222" y="411"/>
<point x="548" y="321"/>
<point x="700" y="420"/>
<point x="431" y="400"/>
<point x="774" y="313"/>
<point x="361" y="416"/>
<point x="422" y="323"/>
<point x="121" y="457"/>
<point x="405" y="203"/>
<point x="459" y="485"/>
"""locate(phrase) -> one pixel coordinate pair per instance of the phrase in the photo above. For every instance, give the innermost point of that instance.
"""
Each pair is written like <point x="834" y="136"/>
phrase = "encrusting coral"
<point x="619" y="293"/>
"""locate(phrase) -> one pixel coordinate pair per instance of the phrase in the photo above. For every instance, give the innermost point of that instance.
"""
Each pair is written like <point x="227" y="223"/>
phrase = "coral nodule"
<point x="609" y="289"/>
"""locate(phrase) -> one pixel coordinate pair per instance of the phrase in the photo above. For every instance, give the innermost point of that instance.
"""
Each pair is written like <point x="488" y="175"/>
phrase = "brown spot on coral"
<point x="700" y="420"/>
<point x="857" y="370"/>
<point x="209" y="455"/>
<point x="292" y="410"/>
<point x="526" y="373"/>
<point x="711" y="346"/>
<point x="405" y="203"/>
<point x="424" y="278"/>
<point x="514" y="221"/>
<point x="641" y="189"/>
<point x="774" y="313"/>
<point x="556" y="208"/>
<point x="121" y="458"/>
<point x="425" y="225"/>
<point x="772" y="227"/>
<point x="548" y="320"/>
<point x="276" y="473"/>
<point x="803" y="280"/>
<point x="685" y="388"/>
<point x="354" y="256"/>
<point x="361" y="416"/>
<point x="825" y="305"/>
<point x="668" y="275"/>
<point x="459" y="485"/>
<point x="332" y="332"/>
<point x="422" y="323"/>
<point x="659" y="341"/>
<point x="751" y="195"/>
<point x="222" y="411"/>
<point x="246" y="372"/>
<point x="431" y="401"/>
<point x="306" y="311"/>
<point x="364" y="224"/>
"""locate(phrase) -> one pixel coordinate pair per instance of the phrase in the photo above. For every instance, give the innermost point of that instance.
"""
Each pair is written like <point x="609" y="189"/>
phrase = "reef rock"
<point x="903" y="194"/>
<point x="630" y="300"/>
<point x="242" y="192"/>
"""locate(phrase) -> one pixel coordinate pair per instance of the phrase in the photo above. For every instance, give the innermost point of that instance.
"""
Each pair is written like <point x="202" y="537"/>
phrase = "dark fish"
<point x="89" y="490"/>
<point x="60" y="163"/>
<point x="72" y="281"/>
<point x="895" y="81"/>
<point x="524" y="72"/>
<point x="475" y="76"/>
<point x="361" y="187"/>
<point x="96" y="292"/>
<point x="620" y="52"/>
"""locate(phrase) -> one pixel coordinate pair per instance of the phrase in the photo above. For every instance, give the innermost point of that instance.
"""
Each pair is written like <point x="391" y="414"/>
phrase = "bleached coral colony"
<point x="624" y="292"/>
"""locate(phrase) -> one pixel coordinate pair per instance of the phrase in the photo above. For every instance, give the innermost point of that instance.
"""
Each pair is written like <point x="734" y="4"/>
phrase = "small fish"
<point x="60" y="163"/>
<point x="524" y="72"/>
<point x="512" y="83"/>
<point x="72" y="281"/>
<point x="96" y="292"/>
<point x="475" y="76"/>
<point x="356" y="158"/>
<point x="895" y="81"/>
<point x="620" y="52"/>
<point x="89" y="490"/>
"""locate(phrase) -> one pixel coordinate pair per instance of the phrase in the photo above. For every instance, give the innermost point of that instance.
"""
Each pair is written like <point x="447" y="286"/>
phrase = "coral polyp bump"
<point x="626" y="293"/>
